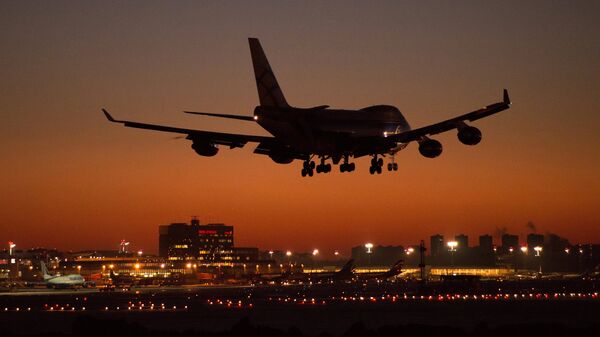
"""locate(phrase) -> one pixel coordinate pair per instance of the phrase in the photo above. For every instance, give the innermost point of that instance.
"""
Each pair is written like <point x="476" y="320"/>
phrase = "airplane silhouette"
<point x="323" y="133"/>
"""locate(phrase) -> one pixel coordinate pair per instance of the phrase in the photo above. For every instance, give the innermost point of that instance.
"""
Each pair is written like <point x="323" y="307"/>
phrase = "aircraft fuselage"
<point x="331" y="131"/>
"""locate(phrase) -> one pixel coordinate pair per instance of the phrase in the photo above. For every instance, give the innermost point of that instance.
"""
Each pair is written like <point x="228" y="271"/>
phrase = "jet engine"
<point x="205" y="148"/>
<point x="281" y="158"/>
<point x="469" y="135"/>
<point x="430" y="148"/>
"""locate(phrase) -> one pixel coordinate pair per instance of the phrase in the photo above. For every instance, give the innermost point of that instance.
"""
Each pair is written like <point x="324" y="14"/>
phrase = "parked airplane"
<point x="58" y="281"/>
<point x="121" y="281"/>
<point x="322" y="133"/>
<point x="396" y="269"/>
<point x="343" y="275"/>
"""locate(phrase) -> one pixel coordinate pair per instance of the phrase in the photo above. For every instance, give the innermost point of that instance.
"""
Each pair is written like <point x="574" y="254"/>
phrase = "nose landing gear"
<point x="392" y="166"/>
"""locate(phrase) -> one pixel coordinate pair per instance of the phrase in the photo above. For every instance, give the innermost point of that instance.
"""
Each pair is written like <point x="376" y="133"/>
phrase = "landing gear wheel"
<point x="312" y="165"/>
<point x="342" y="168"/>
<point x="310" y="173"/>
<point x="327" y="168"/>
<point x="378" y="169"/>
<point x="319" y="169"/>
<point x="372" y="169"/>
<point x="390" y="166"/>
<point x="351" y="167"/>
<point x="395" y="166"/>
<point x="303" y="172"/>
<point x="380" y="162"/>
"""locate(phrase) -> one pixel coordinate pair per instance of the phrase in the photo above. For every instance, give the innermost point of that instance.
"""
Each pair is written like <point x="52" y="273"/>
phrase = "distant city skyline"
<point x="324" y="250"/>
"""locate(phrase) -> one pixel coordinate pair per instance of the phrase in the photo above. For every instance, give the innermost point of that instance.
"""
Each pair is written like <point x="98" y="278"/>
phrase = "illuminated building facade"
<point x="205" y="244"/>
<point x="215" y="243"/>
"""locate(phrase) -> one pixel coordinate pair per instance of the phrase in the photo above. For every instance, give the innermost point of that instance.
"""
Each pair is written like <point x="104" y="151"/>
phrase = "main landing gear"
<point x="376" y="165"/>
<point x="308" y="168"/>
<point x="322" y="167"/>
<point x="347" y="167"/>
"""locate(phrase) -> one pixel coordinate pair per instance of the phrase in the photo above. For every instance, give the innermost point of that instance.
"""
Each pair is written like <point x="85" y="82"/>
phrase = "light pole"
<point x="452" y="248"/>
<point x="314" y="254"/>
<point x="289" y="257"/>
<point x="524" y="250"/>
<point x="369" y="247"/>
<point x="538" y="253"/>
<point x="11" y="247"/>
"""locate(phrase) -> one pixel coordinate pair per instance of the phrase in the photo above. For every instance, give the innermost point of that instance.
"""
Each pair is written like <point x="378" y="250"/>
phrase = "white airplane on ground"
<point x="64" y="281"/>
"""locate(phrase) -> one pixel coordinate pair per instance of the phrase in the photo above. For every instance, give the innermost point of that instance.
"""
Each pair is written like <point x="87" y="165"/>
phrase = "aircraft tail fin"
<point x="348" y="267"/>
<point x="45" y="273"/>
<point x="397" y="267"/>
<point x="269" y="92"/>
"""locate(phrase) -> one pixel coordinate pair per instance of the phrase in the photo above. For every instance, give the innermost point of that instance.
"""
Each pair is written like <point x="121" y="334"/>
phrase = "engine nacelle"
<point x="469" y="135"/>
<point x="205" y="149"/>
<point x="430" y="148"/>
<point x="280" y="158"/>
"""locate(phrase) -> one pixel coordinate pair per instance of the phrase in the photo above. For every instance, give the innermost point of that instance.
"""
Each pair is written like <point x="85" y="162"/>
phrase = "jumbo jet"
<point x="64" y="281"/>
<point x="323" y="134"/>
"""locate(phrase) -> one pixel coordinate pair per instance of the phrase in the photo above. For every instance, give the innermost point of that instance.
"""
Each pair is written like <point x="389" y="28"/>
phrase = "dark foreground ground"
<point x="300" y="311"/>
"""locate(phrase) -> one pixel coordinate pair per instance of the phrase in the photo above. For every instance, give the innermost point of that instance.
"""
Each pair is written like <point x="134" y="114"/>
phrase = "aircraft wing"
<point x="452" y="123"/>
<point x="243" y="118"/>
<point x="230" y="139"/>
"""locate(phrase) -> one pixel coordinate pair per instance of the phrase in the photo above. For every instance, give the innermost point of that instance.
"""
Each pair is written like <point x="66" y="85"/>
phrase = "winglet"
<point x="108" y="116"/>
<point x="506" y="99"/>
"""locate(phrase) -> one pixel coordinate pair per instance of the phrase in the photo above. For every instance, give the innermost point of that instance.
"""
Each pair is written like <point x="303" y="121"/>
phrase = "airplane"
<point x="121" y="281"/>
<point x="272" y="278"/>
<point x="323" y="133"/>
<point x="396" y="269"/>
<point x="344" y="274"/>
<point x="58" y="281"/>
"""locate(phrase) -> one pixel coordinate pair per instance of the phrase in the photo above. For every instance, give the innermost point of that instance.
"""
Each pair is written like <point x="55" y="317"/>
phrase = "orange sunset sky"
<point x="71" y="180"/>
